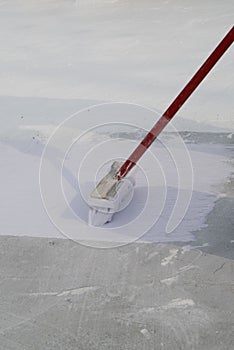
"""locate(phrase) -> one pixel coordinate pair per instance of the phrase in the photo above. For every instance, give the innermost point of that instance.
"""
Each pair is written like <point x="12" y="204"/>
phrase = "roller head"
<point x="110" y="196"/>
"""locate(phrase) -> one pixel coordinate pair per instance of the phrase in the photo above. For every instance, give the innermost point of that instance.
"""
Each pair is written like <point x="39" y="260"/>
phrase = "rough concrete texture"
<point x="57" y="294"/>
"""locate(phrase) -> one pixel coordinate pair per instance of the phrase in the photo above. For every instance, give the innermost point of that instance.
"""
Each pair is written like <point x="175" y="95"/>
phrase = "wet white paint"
<point x="146" y="333"/>
<point x="179" y="304"/>
<point x="36" y="97"/>
<point x="76" y="291"/>
<point x="169" y="281"/>
<point x="169" y="259"/>
<point x="189" y="247"/>
<point x="151" y="256"/>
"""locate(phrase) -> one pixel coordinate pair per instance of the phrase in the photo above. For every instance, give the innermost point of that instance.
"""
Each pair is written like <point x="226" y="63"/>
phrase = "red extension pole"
<point x="176" y="104"/>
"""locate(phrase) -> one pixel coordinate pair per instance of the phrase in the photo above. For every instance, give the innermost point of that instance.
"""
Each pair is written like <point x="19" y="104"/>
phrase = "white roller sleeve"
<point x="110" y="196"/>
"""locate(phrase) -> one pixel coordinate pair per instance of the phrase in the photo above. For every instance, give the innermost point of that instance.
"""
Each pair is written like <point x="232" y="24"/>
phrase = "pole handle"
<point x="176" y="104"/>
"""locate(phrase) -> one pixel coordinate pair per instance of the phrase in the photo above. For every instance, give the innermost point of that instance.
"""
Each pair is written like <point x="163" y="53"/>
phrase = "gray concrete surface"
<point x="61" y="295"/>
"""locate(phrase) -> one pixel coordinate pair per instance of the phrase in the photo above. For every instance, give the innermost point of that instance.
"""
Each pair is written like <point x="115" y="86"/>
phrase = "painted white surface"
<point x="22" y="212"/>
<point x="142" y="52"/>
<point x="58" y="57"/>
